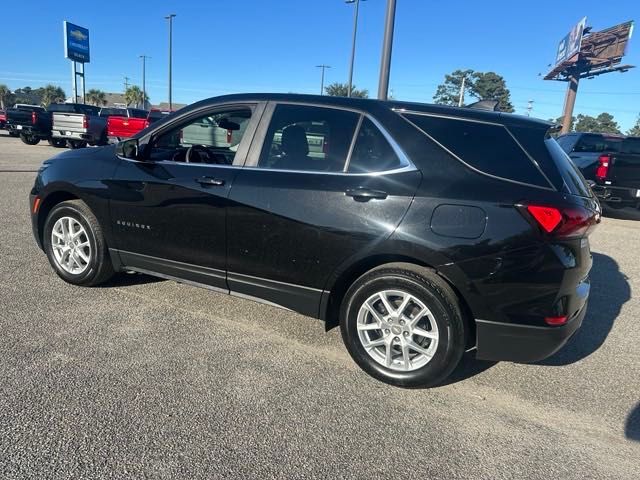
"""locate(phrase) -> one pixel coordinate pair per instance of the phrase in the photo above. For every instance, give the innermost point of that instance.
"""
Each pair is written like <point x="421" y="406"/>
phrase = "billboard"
<point x="570" y="44"/>
<point x="76" y="43"/>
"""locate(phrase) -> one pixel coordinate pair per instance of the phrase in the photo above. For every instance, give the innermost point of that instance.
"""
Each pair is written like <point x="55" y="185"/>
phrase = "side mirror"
<point x="128" y="149"/>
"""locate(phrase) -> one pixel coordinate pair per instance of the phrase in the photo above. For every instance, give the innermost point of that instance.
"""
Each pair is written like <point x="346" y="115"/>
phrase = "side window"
<point x="566" y="142"/>
<point x="211" y="139"/>
<point x="308" y="138"/>
<point x="372" y="152"/>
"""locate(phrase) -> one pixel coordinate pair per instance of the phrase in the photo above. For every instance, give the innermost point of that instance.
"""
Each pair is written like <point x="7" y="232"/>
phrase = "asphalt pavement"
<point x="147" y="378"/>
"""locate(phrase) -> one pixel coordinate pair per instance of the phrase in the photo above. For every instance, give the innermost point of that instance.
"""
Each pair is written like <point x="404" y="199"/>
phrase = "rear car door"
<point x="169" y="210"/>
<point x="321" y="187"/>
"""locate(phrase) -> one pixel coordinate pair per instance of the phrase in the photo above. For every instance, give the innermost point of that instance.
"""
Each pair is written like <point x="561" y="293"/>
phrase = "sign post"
<point x="76" y="49"/>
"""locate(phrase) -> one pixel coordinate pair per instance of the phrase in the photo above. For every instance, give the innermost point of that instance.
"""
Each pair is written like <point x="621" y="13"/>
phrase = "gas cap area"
<point x="458" y="221"/>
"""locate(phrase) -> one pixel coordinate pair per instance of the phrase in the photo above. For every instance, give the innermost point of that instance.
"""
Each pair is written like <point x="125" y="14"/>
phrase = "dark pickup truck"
<point x="611" y="162"/>
<point x="31" y="123"/>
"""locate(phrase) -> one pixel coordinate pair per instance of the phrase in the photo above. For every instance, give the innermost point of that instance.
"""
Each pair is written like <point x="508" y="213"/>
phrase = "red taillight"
<point x="603" y="167"/>
<point x="34" y="118"/>
<point x="85" y="121"/>
<point x="555" y="321"/>
<point x="146" y="123"/>
<point x="571" y="221"/>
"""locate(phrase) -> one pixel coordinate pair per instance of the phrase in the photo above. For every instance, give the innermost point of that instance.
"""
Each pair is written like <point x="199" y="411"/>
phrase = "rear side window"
<point x="598" y="143"/>
<point x="573" y="180"/>
<point x="631" y="145"/>
<point x="567" y="142"/>
<point x="487" y="148"/>
<point x="372" y="152"/>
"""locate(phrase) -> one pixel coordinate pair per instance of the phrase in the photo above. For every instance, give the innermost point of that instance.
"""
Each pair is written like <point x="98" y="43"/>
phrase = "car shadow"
<point x="468" y="367"/>
<point x="130" y="279"/>
<point x="621" y="213"/>
<point x="609" y="291"/>
<point x="632" y="427"/>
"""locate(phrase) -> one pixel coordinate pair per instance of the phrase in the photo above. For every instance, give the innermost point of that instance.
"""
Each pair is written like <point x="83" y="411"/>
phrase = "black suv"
<point x="423" y="230"/>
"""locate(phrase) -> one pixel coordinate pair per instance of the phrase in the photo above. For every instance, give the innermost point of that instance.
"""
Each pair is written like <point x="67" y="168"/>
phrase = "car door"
<point x="168" y="208"/>
<point x="321" y="185"/>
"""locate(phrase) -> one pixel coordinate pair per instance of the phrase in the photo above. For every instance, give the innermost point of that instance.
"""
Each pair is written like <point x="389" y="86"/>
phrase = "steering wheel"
<point x="196" y="148"/>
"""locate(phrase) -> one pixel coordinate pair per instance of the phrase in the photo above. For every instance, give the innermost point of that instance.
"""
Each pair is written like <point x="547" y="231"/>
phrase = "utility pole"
<point x="323" y="67"/>
<point x="144" y="80"/>
<point x="570" y="101"/>
<point x="387" y="44"/>
<point x="529" y="108"/>
<point x="126" y="83"/>
<point x="353" y="44"/>
<point x="170" y="17"/>
<point x="461" y="95"/>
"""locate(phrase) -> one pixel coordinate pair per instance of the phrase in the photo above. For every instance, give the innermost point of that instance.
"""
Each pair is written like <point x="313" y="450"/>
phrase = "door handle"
<point x="215" y="182"/>
<point x="364" y="194"/>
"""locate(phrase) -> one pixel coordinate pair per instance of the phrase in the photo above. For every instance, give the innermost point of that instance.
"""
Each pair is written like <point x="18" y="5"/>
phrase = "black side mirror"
<point x="128" y="149"/>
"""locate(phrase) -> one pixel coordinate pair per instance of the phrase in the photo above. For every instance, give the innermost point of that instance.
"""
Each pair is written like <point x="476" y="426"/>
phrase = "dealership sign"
<point x="76" y="43"/>
<point x="570" y="45"/>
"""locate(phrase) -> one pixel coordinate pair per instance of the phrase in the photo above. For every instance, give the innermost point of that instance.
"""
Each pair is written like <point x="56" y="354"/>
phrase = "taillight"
<point x="34" y="118"/>
<point x="85" y="121"/>
<point x="555" y="321"/>
<point x="146" y="123"/>
<point x="572" y="221"/>
<point x="603" y="167"/>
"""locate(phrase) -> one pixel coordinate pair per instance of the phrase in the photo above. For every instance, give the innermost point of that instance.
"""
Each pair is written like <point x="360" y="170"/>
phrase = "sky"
<point x="227" y="46"/>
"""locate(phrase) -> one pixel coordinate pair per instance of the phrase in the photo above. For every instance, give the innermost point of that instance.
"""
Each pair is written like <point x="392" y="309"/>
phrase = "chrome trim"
<point x="239" y="276"/>
<point x="175" y="279"/>
<point x="258" y="300"/>
<point x="408" y="168"/>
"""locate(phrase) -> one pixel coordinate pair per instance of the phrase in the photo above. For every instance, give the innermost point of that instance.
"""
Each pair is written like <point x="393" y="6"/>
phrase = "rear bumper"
<point x="618" y="197"/>
<point x="69" y="135"/>
<point x="523" y="343"/>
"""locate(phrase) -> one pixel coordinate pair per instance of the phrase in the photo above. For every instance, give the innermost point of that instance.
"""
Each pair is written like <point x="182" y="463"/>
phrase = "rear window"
<point x="573" y="180"/>
<point x="485" y="147"/>
<point x="138" y="113"/>
<point x="62" y="107"/>
<point x="631" y="145"/>
<point x="598" y="143"/>
<point x="113" y="112"/>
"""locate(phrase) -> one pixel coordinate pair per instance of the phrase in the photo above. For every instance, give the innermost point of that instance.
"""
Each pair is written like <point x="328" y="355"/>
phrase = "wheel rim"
<point x="71" y="246"/>
<point x="397" y="330"/>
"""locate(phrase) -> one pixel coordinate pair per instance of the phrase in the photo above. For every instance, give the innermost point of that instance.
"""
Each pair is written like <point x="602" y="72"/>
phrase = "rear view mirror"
<point x="227" y="124"/>
<point x="128" y="149"/>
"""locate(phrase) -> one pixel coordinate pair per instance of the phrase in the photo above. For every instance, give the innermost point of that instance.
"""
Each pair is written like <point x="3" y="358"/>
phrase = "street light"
<point x="387" y="44"/>
<point x="170" y="17"/>
<point x="353" y="44"/>
<point x="323" y="67"/>
<point x="144" y="80"/>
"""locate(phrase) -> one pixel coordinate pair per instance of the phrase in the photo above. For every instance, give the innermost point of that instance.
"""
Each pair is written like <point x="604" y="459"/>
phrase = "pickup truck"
<point x="121" y="127"/>
<point x="79" y="125"/>
<point x="3" y="119"/>
<point x="31" y="123"/>
<point x="611" y="163"/>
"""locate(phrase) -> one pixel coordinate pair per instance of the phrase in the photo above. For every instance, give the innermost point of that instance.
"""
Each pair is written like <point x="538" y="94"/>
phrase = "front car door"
<point x="320" y="187"/>
<point x="169" y="207"/>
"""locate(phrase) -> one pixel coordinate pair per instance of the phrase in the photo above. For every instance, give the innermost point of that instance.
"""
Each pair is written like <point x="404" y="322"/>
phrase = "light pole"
<point x="144" y="80"/>
<point x="323" y="67"/>
<point x="387" y="44"/>
<point x="170" y="17"/>
<point x="353" y="44"/>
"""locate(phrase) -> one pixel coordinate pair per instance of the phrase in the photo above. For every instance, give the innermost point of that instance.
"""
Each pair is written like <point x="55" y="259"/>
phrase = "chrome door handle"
<point x="215" y="182"/>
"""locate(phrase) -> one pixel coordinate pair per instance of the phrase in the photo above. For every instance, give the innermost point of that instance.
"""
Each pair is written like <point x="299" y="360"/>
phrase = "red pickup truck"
<point x="120" y="127"/>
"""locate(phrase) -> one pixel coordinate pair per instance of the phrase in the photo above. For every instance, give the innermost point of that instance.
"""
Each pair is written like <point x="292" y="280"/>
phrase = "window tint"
<point x="488" y="148"/>
<point x="113" y="112"/>
<point x="138" y="113"/>
<point x="573" y="180"/>
<point x="212" y="139"/>
<point x="372" y="152"/>
<point x="598" y="143"/>
<point x="631" y="145"/>
<point x="308" y="138"/>
<point x="566" y="142"/>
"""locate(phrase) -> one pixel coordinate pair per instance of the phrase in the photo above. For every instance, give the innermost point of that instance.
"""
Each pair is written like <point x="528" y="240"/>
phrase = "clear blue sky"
<point x="223" y="46"/>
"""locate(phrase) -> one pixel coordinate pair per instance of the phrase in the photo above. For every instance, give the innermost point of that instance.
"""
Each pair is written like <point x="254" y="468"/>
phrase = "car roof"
<point x="367" y="105"/>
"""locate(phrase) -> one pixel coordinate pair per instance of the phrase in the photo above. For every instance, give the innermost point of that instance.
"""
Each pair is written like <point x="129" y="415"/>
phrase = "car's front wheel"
<point x="29" y="139"/>
<point x="75" y="245"/>
<point x="403" y="325"/>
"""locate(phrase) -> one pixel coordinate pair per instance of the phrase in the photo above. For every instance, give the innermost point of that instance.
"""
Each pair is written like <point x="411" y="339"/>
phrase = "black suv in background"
<point x="611" y="162"/>
<point x="422" y="230"/>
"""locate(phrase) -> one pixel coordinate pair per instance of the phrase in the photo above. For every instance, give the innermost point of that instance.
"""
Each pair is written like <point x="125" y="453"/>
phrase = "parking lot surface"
<point x="147" y="378"/>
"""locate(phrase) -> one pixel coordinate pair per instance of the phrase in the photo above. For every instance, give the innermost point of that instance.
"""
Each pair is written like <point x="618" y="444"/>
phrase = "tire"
<point x="98" y="269"/>
<point x="57" y="142"/>
<point x="29" y="139"/>
<point x="13" y="134"/>
<point x="437" y="356"/>
<point x="74" y="144"/>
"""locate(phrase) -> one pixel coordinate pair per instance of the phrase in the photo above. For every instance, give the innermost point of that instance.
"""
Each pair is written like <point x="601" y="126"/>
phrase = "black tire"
<point x="29" y="139"/>
<point x="13" y="134"/>
<point x="430" y="289"/>
<point x="99" y="269"/>
<point x="74" y="144"/>
<point x="57" y="142"/>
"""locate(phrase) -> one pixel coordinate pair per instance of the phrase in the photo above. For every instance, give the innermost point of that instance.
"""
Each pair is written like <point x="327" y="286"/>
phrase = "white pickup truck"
<point x="79" y="124"/>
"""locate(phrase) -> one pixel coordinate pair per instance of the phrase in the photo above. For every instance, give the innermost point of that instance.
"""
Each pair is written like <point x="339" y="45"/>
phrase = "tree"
<point x="491" y="86"/>
<point x="603" y="123"/>
<point x="52" y="94"/>
<point x="635" y="130"/>
<point x="341" y="90"/>
<point x="133" y="96"/>
<point x="448" y="93"/>
<point x="97" y="97"/>
<point x="4" y="96"/>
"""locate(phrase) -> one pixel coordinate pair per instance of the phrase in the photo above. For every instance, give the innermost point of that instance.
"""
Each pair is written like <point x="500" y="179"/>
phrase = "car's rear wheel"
<point x="29" y="139"/>
<point x="57" y="142"/>
<point x="75" y="245"/>
<point x="403" y="325"/>
<point x="74" y="144"/>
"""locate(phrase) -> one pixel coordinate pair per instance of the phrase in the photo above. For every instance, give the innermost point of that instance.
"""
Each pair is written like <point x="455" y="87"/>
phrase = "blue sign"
<point x="76" y="43"/>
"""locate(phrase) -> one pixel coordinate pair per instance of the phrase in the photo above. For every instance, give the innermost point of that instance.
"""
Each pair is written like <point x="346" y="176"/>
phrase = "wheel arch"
<point x="46" y="205"/>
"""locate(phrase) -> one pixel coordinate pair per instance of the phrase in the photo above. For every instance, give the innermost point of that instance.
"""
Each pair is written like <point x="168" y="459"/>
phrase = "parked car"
<point x="31" y="123"/>
<point x="423" y="230"/>
<point x="3" y="119"/>
<point x="78" y="125"/>
<point x="611" y="162"/>
<point x="128" y="125"/>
